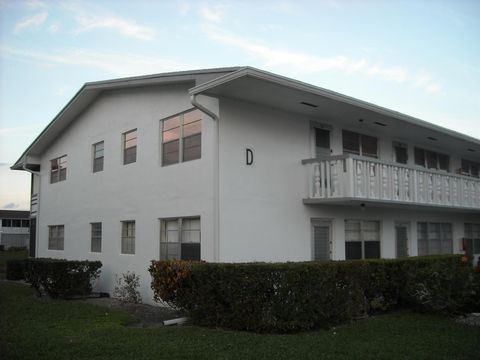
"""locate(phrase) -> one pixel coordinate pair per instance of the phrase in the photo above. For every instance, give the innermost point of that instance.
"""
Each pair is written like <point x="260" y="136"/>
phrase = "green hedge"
<point x="287" y="297"/>
<point x="16" y="269"/>
<point x="61" y="278"/>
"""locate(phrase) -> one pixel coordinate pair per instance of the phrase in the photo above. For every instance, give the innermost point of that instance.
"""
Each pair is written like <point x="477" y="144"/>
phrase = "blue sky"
<point x="421" y="58"/>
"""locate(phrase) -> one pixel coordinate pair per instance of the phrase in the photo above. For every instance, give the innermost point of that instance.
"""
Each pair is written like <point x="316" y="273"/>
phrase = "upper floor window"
<point x="470" y="168"/>
<point x="130" y="147"/>
<point x="431" y="159"/>
<point x="359" y="144"/>
<point x="180" y="239"/>
<point x="182" y="137"/>
<point x="98" y="156"/>
<point x="401" y="153"/>
<point x="56" y="237"/>
<point x="58" y="169"/>
<point x="128" y="237"/>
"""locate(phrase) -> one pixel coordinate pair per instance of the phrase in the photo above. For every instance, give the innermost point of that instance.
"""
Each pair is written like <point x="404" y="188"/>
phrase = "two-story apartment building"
<point x="239" y="164"/>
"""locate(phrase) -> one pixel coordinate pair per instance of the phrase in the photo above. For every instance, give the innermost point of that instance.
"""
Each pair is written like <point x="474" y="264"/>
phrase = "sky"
<point x="421" y="58"/>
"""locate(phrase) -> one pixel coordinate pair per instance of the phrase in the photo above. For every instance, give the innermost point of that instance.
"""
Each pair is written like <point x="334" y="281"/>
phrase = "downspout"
<point x="216" y="177"/>
<point x="34" y="173"/>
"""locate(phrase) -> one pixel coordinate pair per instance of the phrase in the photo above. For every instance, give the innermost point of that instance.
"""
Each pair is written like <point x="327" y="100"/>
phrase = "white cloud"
<point x="425" y="82"/>
<point x="184" y="8"/>
<point x="212" y="12"/>
<point x="53" y="28"/>
<point x="31" y="22"/>
<point x="124" y="27"/>
<point x="118" y="64"/>
<point x="35" y="4"/>
<point x="93" y="17"/>
<point x="274" y="58"/>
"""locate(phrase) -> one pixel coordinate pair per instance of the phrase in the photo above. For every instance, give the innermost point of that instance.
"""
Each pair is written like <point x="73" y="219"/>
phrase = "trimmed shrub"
<point x="61" y="278"/>
<point x="16" y="269"/>
<point x="287" y="297"/>
<point x="126" y="288"/>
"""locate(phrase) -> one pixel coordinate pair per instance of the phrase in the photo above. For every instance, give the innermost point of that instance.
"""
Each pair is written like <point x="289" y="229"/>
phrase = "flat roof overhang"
<point x="379" y="203"/>
<point x="264" y="88"/>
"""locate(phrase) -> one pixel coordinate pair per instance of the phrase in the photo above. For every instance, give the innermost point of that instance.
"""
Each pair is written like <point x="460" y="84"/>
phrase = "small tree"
<point x="126" y="288"/>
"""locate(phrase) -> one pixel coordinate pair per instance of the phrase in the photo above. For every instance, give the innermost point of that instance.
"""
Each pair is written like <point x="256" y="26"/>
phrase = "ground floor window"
<point x="96" y="237"/>
<point x="472" y="238"/>
<point x="55" y="237"/>
<point x="434" y="238"/>
<point x="128" y="237"/>
<point x="180" y="238"/>
<point x="362" y="239"/>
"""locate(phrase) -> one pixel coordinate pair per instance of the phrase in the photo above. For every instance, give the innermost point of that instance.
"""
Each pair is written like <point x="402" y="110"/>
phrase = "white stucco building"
<point x="239" y="164"/>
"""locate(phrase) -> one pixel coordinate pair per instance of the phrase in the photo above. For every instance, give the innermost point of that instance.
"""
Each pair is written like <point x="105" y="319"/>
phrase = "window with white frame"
<point x="180" y="239"/>
<point x="129" y="147"/>
<point x="431" y="159"/>
<point x="434" y="238"/>
<point x="96" y="237"/>
<point x="58" y="169"/>
<point x="470" y="168"/>
<point x="128" y="237"/>
<point x="362" y="239"/>
<point x="359" y="144"/>
<point x="182" y="137"/>
<point x="56" y="235"/>
<point x="472" y="239"/>
<point x="98" y="156"/>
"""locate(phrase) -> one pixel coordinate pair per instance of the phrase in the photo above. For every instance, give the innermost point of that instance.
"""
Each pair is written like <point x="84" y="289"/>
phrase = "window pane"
<point x="353" y="250"/>
<point x="401" y="155"/>
<point x="191" y="129"/>
<point x="192" y="147"/>
<point x="369" y="145"/>
<point x="322" y="138"/>
<point x="351" y="142"/>
<point x="419" y="157"/>
<point x="443" y="162"/>
<point x="170" y="135"/>
<point x="190" y="251"/>
<point x="170" y="152"/>
<point x="432" y="159"/>
<point x="372" y="249"/>
<point x="171" y="123"/>
<point x="192" y="116"/>
<point x="130" y="155"/>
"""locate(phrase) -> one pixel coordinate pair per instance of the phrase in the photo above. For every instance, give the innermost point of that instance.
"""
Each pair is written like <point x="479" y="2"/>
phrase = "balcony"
<point x="349" y="178"/>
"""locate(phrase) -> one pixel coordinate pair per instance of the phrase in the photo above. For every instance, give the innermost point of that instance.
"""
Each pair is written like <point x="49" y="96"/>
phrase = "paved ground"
<point x="145" y="315"/>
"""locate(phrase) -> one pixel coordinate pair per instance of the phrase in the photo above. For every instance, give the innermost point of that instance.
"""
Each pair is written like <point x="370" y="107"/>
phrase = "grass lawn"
<point x="9" y="255"/>
<point x="33" y="328"/>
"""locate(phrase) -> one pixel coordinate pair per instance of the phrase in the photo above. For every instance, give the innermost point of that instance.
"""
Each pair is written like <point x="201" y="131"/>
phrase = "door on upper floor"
<point x="322" y="141"/>
<point x="321" y="240"/>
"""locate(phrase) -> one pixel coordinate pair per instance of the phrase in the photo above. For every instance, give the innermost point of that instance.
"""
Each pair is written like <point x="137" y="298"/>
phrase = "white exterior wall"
<point x="262" y="217"/>
<point x="143" y="191"/>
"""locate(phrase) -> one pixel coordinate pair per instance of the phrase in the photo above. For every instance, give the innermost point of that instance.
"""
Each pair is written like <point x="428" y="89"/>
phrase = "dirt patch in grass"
<point x="144" y="315"/>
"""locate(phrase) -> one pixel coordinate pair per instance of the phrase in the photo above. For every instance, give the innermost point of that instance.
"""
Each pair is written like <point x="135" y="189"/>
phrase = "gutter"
<point x="216" y="176"/>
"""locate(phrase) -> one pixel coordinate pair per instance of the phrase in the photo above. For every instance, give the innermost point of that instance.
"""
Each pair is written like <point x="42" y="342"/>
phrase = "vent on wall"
<point x="308" y="104"/>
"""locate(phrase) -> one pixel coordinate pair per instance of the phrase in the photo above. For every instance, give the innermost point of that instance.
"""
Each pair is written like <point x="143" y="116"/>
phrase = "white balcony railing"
<point x="356" y="177"/>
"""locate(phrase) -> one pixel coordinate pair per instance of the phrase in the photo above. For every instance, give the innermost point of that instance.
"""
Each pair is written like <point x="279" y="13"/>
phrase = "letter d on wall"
<point x="249" y="156"/>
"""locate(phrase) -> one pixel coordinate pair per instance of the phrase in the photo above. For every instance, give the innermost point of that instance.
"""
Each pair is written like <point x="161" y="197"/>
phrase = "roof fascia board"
<point x="302" y="86"/>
